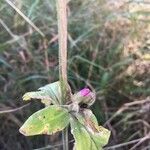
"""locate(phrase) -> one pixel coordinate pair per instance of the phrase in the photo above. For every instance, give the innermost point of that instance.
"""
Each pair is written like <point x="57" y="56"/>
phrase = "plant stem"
<point x="65" y="139"/>
<point x="62" y="36"/>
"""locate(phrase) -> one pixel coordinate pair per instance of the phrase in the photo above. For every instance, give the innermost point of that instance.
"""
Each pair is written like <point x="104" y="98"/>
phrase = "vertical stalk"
<point x="62" y="31"/>
<point x="62" y="37"/>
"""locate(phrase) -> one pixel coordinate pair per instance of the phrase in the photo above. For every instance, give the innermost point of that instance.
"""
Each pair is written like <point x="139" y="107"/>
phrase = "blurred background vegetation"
<point x="108" y="50"/>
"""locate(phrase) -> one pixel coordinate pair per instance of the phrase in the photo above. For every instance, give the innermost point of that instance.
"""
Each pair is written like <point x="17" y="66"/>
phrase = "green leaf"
<point x="50" y="93"/>
<point x="88" y="135"/>
<point x="46" y="121"/>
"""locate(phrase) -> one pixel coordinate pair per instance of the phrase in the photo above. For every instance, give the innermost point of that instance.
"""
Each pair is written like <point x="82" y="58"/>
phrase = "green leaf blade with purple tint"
<point x="87" y="133"/>
<point x="46" y="121"/>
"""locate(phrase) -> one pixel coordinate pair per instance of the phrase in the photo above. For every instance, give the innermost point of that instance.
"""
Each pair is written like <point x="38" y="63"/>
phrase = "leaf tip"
<point x="22" y="131"/>
<point x="26" y="96"/>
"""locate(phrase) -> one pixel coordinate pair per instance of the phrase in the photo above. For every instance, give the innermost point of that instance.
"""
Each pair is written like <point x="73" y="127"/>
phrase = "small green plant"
<point x="63" y="107"/>
<point x="55" y="117"/>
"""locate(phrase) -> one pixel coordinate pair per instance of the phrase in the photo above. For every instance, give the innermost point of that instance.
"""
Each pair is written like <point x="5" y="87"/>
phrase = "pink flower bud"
<point x="85" y="92"/>
<point x="85" y="96"/>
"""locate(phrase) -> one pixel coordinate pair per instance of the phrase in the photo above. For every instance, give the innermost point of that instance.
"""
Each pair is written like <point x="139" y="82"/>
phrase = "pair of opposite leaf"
<point x="53" y="118"/>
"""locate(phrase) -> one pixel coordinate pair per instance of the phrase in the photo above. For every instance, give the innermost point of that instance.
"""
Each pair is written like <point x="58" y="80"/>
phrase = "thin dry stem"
<point x="62" y="37"/>
<point x="62" y="31"/>
<point x="25" y="17"/>
<point x="13" y="110"/>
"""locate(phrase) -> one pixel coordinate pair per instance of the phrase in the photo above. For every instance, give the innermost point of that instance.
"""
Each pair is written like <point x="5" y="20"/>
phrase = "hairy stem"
<point x="62" y="36"/>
